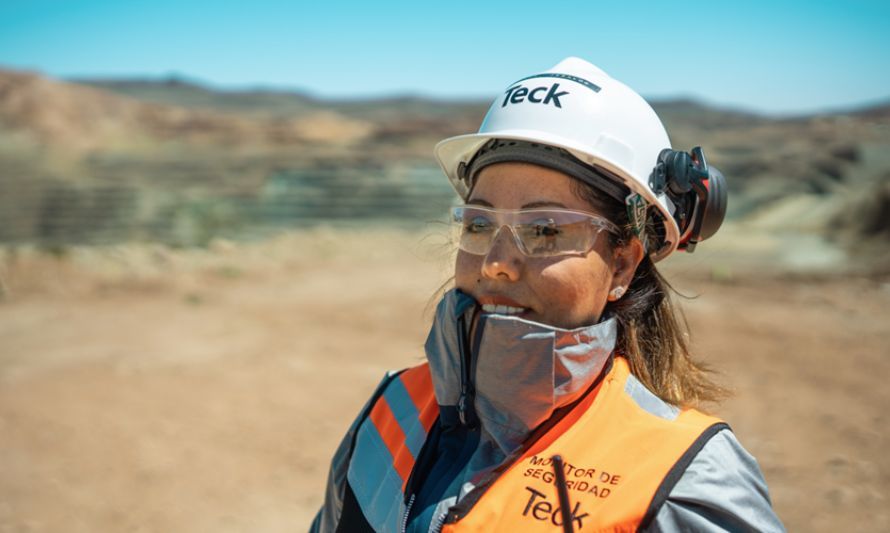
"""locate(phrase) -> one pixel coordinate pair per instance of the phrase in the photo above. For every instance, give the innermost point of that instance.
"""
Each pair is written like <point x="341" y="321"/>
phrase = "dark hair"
<point x="652" y="333"/>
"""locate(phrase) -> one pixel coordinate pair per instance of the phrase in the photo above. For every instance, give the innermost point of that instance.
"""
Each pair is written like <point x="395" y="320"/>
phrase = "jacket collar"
<point x="514" y="373"/>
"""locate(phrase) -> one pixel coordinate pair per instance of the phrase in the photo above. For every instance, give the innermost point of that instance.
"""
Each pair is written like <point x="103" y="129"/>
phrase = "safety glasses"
<point x="536" y="232"/>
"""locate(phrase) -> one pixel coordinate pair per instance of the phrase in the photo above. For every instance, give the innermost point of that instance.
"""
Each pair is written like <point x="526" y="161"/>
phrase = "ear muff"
<point x="697" y="191"/>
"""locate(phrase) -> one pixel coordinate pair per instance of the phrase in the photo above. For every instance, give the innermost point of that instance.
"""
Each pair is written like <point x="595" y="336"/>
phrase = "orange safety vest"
<point x="620" y="461"/>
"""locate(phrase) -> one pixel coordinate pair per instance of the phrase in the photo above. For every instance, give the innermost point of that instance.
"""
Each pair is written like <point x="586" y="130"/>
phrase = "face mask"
<point x="517" y="371"/>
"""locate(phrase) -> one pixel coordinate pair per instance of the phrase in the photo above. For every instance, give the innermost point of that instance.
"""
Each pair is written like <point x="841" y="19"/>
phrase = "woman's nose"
<point x="504" y="259"/>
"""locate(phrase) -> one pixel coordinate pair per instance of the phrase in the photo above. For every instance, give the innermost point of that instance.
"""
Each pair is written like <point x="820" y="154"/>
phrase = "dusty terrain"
<point x="149" y="389"/>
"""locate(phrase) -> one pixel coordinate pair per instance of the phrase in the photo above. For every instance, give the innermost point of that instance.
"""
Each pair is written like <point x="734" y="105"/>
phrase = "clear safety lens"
<point x="537" y="232"/>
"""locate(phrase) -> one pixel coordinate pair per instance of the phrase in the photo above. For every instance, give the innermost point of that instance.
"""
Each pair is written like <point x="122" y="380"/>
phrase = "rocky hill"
<point x="70" y="117"/>
<point x="158" y="140"/>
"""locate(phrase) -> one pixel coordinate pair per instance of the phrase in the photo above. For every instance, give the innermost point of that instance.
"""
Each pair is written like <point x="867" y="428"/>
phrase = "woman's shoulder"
<point x="717" y="486"/>
<point x="722" y="489"/>
<point x="648" y="401"/>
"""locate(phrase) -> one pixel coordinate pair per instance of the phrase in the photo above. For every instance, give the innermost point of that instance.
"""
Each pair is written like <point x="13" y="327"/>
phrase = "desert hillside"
<point x="104" y="161"/>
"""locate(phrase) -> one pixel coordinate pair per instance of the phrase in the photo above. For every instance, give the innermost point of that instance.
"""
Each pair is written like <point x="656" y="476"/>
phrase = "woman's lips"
<point x="503" y="309"/>
<point x="501" y="305"/>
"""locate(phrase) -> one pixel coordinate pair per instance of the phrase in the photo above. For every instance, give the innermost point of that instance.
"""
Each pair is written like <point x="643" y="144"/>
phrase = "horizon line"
<point x="419" y="94"/>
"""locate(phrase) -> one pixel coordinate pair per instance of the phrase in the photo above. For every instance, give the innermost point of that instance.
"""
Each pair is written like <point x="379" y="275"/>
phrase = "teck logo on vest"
<point x="541" y="509"/>
<point x="539" y="95"/>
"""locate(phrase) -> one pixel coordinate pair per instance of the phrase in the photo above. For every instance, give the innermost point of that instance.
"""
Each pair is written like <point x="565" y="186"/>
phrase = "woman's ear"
<point x="625" y="261"/>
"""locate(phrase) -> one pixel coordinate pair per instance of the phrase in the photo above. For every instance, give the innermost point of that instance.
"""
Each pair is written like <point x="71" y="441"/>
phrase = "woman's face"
<point x="566" y="291"/>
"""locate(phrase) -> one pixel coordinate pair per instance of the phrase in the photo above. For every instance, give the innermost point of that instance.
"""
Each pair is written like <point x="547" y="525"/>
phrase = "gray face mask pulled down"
<point x="521" y="371"/>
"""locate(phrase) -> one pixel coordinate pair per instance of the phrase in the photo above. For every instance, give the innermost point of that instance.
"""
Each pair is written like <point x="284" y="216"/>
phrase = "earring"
<point x="616" y="294"/>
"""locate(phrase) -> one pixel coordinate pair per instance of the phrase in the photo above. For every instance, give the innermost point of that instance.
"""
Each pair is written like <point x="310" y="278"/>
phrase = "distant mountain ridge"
<point x="178" y="90"/>
<point x="150" y="137"/>
<point x="77" y="117"/>
<point x="87" y="112"/>
<point x="187" y="93"/>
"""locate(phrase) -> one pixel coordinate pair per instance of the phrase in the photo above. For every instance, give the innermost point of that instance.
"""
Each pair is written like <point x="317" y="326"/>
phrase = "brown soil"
<point x="143" y="389"/>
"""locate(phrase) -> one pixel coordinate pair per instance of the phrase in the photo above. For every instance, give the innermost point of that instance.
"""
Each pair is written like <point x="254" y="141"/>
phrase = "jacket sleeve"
<point x="329" y="515"/>
<point x="721" y="490"/>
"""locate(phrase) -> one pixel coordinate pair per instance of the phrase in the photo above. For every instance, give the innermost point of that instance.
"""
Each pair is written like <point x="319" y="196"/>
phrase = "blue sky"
<point x="768" y="56"/>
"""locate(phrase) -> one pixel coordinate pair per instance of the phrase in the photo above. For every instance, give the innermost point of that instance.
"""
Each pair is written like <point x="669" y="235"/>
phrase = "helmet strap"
<point x="636" y="213"/>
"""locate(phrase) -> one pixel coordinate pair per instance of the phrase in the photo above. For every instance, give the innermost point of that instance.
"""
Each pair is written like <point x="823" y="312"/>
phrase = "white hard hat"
<point x="597" y="119"/>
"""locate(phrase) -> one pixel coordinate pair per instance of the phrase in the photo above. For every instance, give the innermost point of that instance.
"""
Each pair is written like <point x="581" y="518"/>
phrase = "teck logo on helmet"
<point x="519" y="93"/>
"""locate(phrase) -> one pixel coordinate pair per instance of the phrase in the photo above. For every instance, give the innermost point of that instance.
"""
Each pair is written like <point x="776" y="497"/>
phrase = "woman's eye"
<point x="477" y="225"/>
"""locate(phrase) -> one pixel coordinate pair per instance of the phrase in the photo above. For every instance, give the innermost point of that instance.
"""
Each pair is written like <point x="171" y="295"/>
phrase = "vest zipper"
<point x="440" y="521"/>
<point x="407" y="514"/>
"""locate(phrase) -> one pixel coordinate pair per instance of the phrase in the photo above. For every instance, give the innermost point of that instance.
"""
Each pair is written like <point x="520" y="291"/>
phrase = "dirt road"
<point x="143" y="389"/>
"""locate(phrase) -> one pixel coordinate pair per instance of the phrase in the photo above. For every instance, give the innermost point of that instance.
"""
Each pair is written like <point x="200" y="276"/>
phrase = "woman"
<point x="558" y="389"/>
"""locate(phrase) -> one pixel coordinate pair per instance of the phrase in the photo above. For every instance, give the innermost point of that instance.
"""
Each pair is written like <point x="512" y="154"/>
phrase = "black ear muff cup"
<point x="715" y="206"/>
<point x="697" y="191"/>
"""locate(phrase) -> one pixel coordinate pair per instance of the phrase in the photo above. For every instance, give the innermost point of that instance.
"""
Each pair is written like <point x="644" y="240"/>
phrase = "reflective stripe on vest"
<point x="616" y="456"/>
<point x="387" y="445"/>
